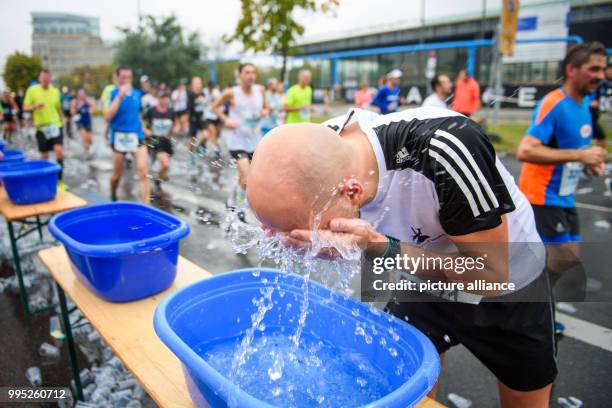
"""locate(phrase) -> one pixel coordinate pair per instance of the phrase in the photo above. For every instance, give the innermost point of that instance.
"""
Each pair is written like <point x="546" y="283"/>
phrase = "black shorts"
<point x="163" y="145"/>
<point x="557" y="224"/>
<point x="598" y="132"/>
<point x="67" y="114"/>
<point x="195" y="127"/>
<point x="515" y="340"/>
<point x="239" y="154"/>
<point x="181" y="112"/>
<point x="46" y="145"/>
<point x="86" y="126"/>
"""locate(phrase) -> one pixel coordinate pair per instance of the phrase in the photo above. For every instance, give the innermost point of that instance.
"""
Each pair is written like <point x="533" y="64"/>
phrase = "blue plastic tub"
<point x="121" y="251"/>
<point x="30" y="182"/>
<point x="220" y="307"/>
<point x="11" y="156"/>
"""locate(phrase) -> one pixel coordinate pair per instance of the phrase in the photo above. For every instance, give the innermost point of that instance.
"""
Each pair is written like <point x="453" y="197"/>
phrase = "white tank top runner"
<point x="246" y="113"/>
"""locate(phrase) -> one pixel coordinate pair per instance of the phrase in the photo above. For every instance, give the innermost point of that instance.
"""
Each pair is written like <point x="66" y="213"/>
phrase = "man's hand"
<point x="344" y="231"/>
<point x="598" y="170"/>
<point x="592" y="157"/>
<point x="123" y="90"/>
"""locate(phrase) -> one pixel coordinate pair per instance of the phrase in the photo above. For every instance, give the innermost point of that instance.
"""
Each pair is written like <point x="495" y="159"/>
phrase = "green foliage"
<point x="20" y="69"/>
<point x="269" y="25"/>
<point x="160" y="49"/>
<point x="91" y="78"/>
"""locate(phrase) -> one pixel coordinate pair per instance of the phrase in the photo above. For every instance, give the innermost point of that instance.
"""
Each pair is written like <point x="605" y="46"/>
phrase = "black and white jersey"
<point x="439" y="176"/>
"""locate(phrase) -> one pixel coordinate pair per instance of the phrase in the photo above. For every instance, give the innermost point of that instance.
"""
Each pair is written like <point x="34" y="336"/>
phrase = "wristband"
<point x="393" y="247"/>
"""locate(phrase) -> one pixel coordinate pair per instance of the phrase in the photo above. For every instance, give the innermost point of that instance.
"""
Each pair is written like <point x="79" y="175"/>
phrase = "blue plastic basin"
<point x="11" y="156"/>
<point x="121" y="251"/>
<point x="30" y="182"/>
<point x="220" y="307"/>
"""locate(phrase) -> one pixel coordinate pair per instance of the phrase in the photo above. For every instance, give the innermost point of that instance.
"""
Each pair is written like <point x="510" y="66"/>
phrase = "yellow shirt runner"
<point x="49" y="113"/>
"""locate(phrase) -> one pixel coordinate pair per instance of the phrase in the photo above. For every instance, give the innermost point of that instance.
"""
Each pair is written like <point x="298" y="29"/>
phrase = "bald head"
<point x="294" y="172"/>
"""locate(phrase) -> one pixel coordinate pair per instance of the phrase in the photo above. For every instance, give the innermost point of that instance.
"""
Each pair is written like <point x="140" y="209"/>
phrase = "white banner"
<point x="541" y="21"/>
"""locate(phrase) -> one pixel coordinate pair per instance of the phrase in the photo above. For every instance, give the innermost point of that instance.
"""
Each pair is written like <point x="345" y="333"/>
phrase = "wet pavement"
<point x="197" y="192"/>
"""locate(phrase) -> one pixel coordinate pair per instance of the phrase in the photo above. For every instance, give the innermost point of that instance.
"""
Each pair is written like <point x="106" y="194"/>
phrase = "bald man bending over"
<point x="424" y="177"/>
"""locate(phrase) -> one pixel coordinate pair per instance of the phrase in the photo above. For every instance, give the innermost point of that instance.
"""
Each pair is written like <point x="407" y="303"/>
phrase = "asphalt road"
<point x="197" y="194"/>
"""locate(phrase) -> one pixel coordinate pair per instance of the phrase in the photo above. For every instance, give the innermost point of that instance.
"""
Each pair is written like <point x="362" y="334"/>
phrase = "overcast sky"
<point x="213" y="18"/>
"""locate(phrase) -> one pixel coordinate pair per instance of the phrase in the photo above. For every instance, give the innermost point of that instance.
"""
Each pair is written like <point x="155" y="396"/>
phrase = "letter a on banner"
<point x="509" y="24"/>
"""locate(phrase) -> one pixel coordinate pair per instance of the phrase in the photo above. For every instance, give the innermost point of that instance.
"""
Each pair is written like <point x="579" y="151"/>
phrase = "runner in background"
<point x="20" y="114"/>
<point x="160" y="122"/>
<point x="196" y="105"/>
<point x="274" y="99"/>
<point x="148" y="90"/>
<point x="600" y="103"/>
<point x="248" y="105"/>
<point x="298" y="100"/>
<point x="126" y="135"/>
<point x="442" y="87"/>
<point x="555" y="149"/>
<point x="467" y="94"/>
<point x="387" y="99"/>
<point x="363" y="96"/>
<point x="9" y="116"/>
<point x="179" y="106"/>
<point x="81" y="109"/>
<point x="43" y="100"/>
<point x="66" y="98"/>
<point x="213" y="95"/>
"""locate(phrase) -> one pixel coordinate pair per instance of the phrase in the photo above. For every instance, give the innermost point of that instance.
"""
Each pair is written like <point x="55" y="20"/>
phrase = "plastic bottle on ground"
<point x="458" y="401"/>
<point x="33" y="376"/>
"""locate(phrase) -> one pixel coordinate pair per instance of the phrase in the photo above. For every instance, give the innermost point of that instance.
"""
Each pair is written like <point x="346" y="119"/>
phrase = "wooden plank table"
<point x="128" y="330"/>
<point x="29" y="215"/>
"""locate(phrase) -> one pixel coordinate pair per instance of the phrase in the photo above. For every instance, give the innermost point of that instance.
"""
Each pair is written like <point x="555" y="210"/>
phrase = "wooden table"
<point x="128" y="330"/>
<point x="30" y="215"/>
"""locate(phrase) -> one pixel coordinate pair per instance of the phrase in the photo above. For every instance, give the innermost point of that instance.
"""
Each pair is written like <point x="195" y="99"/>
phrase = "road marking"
<point x="594" y="207"/>
<point x="586" y="332"/>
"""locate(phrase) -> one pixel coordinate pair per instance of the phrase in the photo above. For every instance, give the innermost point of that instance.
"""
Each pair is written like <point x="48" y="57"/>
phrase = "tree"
<point x="91" y="78"/>
<point x="159" y="49"/>
<point x="269" y="25"/>
<point x="20" y="69"/>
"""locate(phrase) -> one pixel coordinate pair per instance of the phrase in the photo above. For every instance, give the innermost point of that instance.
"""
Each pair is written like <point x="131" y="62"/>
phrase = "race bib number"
<point x="76" y="118"/>
<point x="199" y="107"/>
<point x="161" y="127"/>
<point x="126" y="142"/>
<point x="570" y="178"/>
<point x="251" y="121"/>
<point x="50" y="131"/>
<point x="305" y="114"/>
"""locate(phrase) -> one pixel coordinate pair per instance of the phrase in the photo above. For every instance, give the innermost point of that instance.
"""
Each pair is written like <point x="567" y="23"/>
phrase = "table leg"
<point x="39" y="226"/>
<point x="71" y="346"/>
<point x="17" y="262"/>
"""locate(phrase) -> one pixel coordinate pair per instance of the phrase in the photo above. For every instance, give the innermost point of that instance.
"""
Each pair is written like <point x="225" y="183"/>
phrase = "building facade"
<point x="346" y="61"/>
<point x="66" y="41"/>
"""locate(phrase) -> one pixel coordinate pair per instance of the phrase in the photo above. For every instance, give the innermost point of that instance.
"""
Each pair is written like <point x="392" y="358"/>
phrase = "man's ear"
<point x="353" y="190"/>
